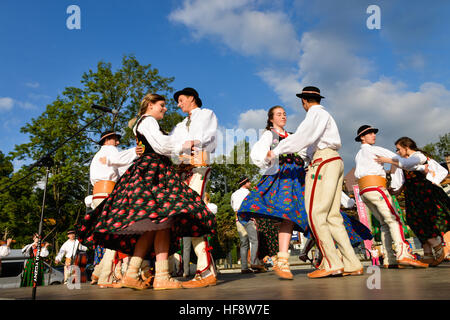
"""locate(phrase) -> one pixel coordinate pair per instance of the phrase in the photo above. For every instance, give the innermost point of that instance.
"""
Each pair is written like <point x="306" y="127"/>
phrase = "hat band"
<point x="109" y="134"/>
<point x="314" y="92"/>
<point x="371" y="128"/>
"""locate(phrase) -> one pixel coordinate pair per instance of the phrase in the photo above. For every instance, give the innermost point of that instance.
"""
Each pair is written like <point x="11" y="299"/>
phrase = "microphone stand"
<point x="46" y="161"/>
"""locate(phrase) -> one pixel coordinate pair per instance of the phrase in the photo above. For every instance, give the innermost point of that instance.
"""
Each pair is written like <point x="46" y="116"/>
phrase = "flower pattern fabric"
<point x="427" y="206"/>
<point x="150" y="189"/>
<point x="281" y="196"/>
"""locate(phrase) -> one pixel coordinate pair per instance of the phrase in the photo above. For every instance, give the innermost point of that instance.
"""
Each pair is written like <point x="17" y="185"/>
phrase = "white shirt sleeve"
<point x="307" y="133"/>
<point x="212" y="207"/>
<point x="383" y="152"/>
<point x="259" y="151"/>
<point x="26" y="250"/>
<point x="122" y="158"/>
<point x="346" y="201"/>
<point x="160" y="142"/>
<point x="81" y="247"/>
<point x="4" y="251"/>
<point x="411" y="163"/>
<point x="397" y="179"/>
<point x="44" y="252"/>
<point x="204" y="129"/>
<point x="61" y="253"/>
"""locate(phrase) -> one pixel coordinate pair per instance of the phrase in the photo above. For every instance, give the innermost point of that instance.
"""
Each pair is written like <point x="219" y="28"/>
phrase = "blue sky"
<point x="243" y="56"/>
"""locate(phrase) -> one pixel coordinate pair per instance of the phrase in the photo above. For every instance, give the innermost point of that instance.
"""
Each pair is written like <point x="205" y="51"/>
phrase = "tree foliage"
<point x="439" y="150"/>
<point x="121" y="89"/>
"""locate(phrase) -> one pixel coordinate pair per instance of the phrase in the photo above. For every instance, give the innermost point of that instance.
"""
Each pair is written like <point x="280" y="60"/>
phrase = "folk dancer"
<point x="427" y="204"/>
<point x="278" y="197"/>
<point x="150" y="207"/>
<point x="106" y="167"/>
<point x="196" y="135"/>
<point x="247" y="230"/>
<point x="4" y="251"/>
<point x="68" y="252"/>
<point x="374" y="193"/>
<point x="30" y="251"/>
<point x="319" y="134"/>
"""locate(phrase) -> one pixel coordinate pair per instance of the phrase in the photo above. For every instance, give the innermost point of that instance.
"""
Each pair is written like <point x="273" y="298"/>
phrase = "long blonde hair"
<point x="148" y="98"/>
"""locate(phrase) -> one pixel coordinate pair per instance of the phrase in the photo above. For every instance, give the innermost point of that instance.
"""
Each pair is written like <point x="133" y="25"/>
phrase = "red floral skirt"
<point x="149" y="194"/>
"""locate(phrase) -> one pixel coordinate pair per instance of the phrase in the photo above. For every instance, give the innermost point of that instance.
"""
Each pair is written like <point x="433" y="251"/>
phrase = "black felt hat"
<point x="107" y="134"/>
<point x="363" y="130"/>
<point x="310" y="92"/>
<point x="191" y="92"/>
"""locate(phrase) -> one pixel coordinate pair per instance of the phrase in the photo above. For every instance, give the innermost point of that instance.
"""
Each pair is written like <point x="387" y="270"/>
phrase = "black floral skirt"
<point x="427" y="207"/>
<point x="150" y="195"/>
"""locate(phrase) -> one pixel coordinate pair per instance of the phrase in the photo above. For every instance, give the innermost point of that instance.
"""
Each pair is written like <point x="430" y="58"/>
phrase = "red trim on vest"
<point x="391" y="208"/>
<point x="311" y="201"/>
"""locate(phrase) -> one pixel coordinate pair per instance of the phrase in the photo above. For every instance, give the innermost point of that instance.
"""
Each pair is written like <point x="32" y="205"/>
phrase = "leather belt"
<point x="103" y="186"/>
<point x="198" y="159"/>
<point x="371" y="181"/>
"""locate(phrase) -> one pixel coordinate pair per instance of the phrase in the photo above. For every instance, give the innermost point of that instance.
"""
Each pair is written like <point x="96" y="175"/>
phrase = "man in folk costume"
<point x="106" y="168"/>
<point x="323" y="187"/>
<point x="373" y="190"/>
<point x="248" y="233"/>
<point x="196" y="139"/>
<point x="68" y="252"/>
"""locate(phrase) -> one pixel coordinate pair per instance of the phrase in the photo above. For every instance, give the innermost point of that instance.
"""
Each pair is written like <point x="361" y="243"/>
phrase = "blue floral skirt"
<point x="98" y="254"/>
<point x="281" y="196"/>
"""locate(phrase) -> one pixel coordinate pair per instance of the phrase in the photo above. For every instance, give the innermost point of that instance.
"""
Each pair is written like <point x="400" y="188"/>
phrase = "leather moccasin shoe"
<point x="412" y="262"/>
<point x="258" y="268"/>
<point x="245" y="271"/>
<point x="393" y="266"/>
<point x="200" y="282"/>
<point x="354" y="273"/>
<point x="322" y="273"/>
<point x="166" y="284"/>
<point x="133" y="283"/>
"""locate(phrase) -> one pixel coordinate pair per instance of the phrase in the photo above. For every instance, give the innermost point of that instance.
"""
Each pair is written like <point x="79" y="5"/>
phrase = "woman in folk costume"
<point x="30" y="251"/>
<point x="280" y="193"/>
<point x="427" y="205"/>
<point x="149" y="205"/>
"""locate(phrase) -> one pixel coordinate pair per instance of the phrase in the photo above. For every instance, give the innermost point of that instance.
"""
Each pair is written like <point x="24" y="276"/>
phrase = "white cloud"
<point x="415" y="61"/>
<point x="253" y="119"/>
<point x="240" y="27"/>
<point x="355" y="93"/>
<point x="33" y="85"/>
<point x="6" y="103"/>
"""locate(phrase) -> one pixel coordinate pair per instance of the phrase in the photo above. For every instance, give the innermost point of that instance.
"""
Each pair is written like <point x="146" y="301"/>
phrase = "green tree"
<point x="225" y="174"/>
<point x="440" y="149"/>
<point x="19" y="205"/>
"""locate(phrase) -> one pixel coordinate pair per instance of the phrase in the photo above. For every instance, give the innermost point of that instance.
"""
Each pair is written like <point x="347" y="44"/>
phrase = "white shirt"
<point x="4" y="250"/>
<point x="26" y="251"/>
<point x="259" y="152"/>
<point x="160" y="142"/>
<point x="117" y="163"/>
<point x="69" y="248"/>
<point x="212" y="207"/>
<point x="317" y="131"/>
<point x="203" y="127"/>
<point x="237" y="197"/>
<point x="367" y="166"/>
